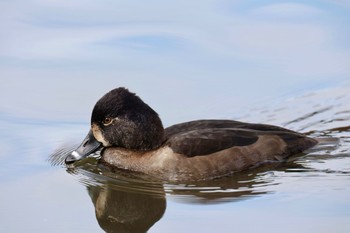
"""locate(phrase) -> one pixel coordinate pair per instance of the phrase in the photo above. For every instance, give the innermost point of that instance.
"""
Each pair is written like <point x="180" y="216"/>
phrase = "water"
<point x="308" y="193"/>
<point x="283" y="63"/>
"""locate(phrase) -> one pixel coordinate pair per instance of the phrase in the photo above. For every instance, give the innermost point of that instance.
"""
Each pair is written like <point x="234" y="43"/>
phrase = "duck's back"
<point x="217" y="124"/>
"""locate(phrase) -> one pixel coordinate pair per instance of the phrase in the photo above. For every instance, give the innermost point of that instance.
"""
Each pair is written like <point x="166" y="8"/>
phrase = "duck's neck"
<point x="146" y="133"/>
<point x="152" y="136"/>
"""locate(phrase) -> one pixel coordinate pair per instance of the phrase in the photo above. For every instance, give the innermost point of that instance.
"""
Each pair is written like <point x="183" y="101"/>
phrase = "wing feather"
<point x="207" y="141"/>
<point x="203" y="137"/>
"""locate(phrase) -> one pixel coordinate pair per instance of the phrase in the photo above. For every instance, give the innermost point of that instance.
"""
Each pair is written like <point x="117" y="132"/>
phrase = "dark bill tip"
<point x="71" y="158"/>
<point x="87" y="147"/>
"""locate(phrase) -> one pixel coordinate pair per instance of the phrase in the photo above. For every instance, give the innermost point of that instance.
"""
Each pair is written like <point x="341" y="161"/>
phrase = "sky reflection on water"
<point x="175" y="55"/>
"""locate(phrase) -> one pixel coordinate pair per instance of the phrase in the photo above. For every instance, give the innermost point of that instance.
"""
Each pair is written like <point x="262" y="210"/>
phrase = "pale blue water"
<point x="282" y="63"/>
<point x="308" y="194"/>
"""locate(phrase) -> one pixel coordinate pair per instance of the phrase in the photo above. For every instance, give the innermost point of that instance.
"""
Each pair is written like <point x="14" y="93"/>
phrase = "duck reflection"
<point x="122" y="203"/>
<point x="128" y="202"/>
<point x="123" y="211"/>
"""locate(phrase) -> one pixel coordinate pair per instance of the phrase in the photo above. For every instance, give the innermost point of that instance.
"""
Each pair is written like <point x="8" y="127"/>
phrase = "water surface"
<point x="307" y="193"/>
<point x="284" y="63"/>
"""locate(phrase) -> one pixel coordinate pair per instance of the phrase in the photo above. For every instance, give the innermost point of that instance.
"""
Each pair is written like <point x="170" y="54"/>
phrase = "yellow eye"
<point x="107" y="121"/>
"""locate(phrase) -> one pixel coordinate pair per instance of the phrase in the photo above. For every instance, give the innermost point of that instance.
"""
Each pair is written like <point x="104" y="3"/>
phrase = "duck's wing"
<point x="207" y="141"/>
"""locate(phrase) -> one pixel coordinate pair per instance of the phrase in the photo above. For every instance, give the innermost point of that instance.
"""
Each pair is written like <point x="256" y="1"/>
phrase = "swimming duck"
<point x="131" y="136"/>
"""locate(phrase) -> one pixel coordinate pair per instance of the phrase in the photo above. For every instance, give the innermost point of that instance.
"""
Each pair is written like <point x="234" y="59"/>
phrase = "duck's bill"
<point x="87" y="147"/>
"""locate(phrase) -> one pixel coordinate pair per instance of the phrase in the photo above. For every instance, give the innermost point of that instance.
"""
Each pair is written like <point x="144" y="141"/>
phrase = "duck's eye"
<point x="107" y="121"/>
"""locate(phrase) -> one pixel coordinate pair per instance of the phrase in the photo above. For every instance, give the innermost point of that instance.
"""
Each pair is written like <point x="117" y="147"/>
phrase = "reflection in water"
<point x="120" y="205"/>
<point x="125" y="202"/>
<point x="122" y="211"/>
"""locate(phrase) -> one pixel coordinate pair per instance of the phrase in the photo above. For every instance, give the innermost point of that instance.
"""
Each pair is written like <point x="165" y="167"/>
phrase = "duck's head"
<point x="121" y="119"/>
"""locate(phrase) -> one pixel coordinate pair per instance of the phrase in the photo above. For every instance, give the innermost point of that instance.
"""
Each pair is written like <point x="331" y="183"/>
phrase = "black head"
<point x="122" y="119"/>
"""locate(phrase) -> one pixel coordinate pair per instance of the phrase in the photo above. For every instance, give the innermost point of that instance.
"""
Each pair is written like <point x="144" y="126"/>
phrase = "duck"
<point x="130" y="136"/>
